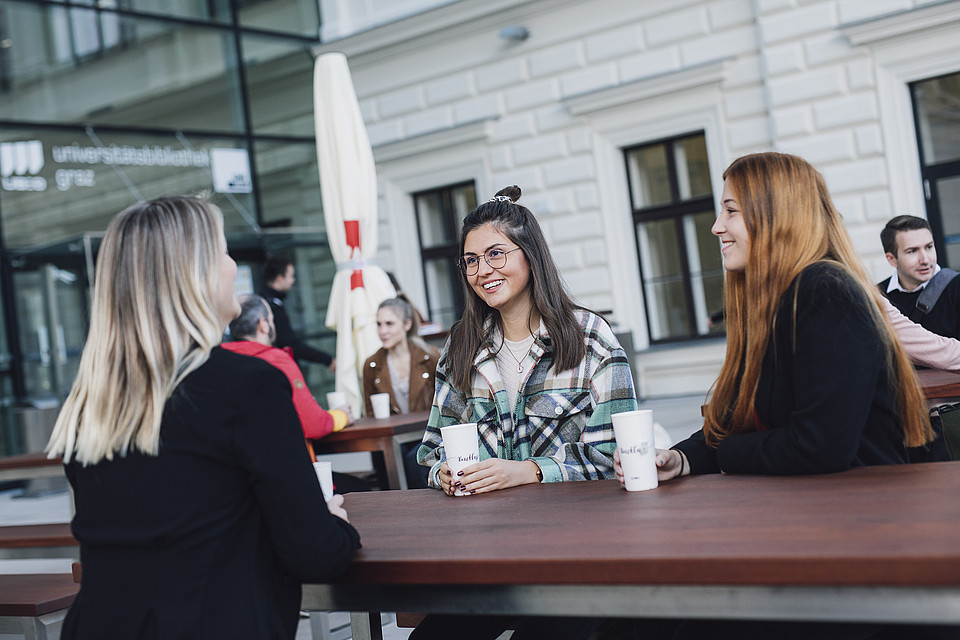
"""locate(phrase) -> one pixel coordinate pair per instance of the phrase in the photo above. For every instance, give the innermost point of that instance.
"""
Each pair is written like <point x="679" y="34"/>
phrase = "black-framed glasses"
<point x="496" y="258"/>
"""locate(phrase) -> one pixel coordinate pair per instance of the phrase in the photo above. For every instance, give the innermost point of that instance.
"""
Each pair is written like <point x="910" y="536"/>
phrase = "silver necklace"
<point x="514" y="355"/>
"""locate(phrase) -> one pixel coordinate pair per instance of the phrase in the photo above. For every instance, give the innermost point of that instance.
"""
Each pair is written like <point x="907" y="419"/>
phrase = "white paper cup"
<point x="325" y="476"/>
<point x="638" y="453"/>
<point x="336" y="399"/>
<point x="462" y="446"/>
<point x="381" y="405"/>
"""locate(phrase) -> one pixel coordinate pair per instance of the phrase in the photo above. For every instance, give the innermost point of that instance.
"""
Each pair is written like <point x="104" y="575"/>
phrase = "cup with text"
<point x="633" y="431"/>
<point x="325" y="476"/>
<point x="462" y="446"/>
<point x="381" y="405"/>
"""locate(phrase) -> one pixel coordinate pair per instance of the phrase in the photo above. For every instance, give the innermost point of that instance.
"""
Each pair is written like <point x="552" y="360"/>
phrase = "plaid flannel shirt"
<point x="562" y="421"/>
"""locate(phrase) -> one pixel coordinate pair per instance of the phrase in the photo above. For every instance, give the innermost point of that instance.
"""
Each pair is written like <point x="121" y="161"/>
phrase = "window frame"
<point x="931" y="175"/>
<point x="448" y="250"/>
<point x="676" y="210"/>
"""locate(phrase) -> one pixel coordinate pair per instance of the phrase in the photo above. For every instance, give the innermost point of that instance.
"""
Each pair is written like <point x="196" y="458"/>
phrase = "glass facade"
<point x="107" y="102"/>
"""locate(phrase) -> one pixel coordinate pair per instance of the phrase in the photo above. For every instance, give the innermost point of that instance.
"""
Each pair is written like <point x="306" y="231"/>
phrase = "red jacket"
<point x="315" y="421"/>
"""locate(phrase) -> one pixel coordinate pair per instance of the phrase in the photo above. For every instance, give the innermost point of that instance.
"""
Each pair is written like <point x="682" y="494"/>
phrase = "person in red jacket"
<point x="253" y="332"/>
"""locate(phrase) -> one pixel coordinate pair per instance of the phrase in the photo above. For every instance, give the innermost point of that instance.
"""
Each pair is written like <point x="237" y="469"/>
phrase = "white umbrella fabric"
<point x="348" y="184"/>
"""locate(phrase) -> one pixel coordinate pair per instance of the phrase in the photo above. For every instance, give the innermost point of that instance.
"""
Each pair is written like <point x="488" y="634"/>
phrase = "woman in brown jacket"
<point x="406" y="368"/>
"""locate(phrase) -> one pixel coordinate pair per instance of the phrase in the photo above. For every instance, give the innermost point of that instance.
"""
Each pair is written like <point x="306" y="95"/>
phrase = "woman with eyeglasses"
<point x="539" y="375"/>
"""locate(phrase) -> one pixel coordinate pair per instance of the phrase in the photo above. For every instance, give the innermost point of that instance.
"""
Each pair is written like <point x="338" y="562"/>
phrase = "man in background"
<point x="279" y="274"/>
<point x="908" y="245"/>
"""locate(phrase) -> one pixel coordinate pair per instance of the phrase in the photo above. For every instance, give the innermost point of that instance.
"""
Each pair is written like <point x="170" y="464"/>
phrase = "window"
<point x="673" y="210"/>
<point x="440" y="213"/>
<point x="936" y="107"/>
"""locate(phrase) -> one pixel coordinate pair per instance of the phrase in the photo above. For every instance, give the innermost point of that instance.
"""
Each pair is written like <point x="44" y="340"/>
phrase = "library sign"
<point x="25" y="166"/>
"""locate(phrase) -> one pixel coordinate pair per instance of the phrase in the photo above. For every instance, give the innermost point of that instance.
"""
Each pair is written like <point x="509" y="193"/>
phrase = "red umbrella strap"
<point x="352" y="228"/>
<point x="356" y="280"/>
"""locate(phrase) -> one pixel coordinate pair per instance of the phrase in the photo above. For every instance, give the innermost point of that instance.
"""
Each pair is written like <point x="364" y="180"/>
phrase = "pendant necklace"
<point x="514" y="356"/>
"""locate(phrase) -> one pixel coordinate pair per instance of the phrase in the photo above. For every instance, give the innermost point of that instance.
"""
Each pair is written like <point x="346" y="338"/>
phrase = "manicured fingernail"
<point x="457" y="483"/>
<point x="459" y="473"/>
<point x="473" y="491"/>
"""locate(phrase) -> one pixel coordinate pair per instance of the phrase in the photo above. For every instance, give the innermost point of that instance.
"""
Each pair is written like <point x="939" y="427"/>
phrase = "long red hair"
<point x="792" y="223"/>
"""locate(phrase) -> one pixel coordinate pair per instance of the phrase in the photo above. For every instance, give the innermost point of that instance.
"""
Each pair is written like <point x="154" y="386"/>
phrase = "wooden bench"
<point x="34" y="606"/>
<point x="38" y="541"/>
<point x="409" y="620"/>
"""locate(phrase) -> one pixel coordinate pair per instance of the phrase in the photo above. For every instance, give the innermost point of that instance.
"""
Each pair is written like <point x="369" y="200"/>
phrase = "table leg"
<point x="393" y="461"/>
<point x="366" y="625"/>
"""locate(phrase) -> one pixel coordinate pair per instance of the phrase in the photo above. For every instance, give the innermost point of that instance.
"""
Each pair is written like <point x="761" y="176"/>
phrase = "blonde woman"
<point x="196" y="504"/>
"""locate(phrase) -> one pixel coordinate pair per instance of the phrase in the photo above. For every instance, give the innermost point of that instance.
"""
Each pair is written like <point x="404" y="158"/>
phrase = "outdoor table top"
<point x="380" y="428"/>
<point x="939" y="384"/>
<point x="878" y="526"/>
<point x="26" y="460"/>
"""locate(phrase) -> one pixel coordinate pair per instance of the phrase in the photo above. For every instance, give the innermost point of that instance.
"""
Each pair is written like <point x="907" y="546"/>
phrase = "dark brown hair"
<point x="547" y="291"/>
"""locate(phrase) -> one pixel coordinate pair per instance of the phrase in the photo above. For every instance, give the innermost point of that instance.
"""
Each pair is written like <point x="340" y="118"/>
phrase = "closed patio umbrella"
<point x="348" y="183"/>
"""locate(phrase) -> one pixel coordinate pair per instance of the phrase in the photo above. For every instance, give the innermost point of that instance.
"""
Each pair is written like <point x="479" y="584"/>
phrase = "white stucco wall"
<point x="446" y="99"/>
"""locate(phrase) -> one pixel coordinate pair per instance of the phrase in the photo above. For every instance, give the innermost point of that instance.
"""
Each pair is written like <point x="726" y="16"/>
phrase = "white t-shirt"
<point x="511" y="357"/>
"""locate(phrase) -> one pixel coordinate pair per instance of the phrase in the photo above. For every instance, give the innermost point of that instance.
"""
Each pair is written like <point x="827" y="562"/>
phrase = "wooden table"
<point x="878" y="543"/>
<point x="939" y="384"/>
<point x="379" y="437"/>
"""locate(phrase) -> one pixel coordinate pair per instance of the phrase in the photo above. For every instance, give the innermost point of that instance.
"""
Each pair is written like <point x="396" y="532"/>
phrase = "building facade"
<point x="617" y="118"/>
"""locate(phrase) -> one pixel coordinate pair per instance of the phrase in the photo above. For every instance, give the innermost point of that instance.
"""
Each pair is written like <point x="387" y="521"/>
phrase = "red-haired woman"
<point x="814" y="379"/>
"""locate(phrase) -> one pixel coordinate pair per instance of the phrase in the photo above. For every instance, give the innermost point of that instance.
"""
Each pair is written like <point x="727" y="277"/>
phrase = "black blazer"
<point x="824" y="403"/>
<point x="213" y="536"/>
<point x="286" y="336"/>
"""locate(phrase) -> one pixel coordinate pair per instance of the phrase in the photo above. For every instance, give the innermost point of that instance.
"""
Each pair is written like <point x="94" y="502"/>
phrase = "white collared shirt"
<point x="895" y="282"/>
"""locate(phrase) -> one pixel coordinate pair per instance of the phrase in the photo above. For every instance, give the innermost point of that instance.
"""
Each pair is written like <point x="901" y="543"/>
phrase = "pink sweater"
<point x="923" y="347"/>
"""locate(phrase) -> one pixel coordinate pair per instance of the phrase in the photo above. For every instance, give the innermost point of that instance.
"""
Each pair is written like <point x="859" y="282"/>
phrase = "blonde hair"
<point x="792" y="224"/>
<point x="153" y="321"/>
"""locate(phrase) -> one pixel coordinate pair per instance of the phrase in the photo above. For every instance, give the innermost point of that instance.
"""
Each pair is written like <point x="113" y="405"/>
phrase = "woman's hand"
<point x="445" y="478"/>
<point x="492" y="475"/>
<point x="669" y="464"/>
<point x="335" y="507"/>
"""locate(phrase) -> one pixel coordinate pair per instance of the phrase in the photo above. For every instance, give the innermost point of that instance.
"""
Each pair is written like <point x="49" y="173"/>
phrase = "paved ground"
<point x="679" y="416"/>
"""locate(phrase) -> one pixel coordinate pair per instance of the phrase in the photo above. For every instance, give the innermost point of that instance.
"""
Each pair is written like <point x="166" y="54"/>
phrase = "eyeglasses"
<point x="496" y="258"/>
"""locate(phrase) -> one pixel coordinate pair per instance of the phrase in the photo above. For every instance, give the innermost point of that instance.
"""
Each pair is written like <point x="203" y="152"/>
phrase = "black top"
<point x="286" y="337"/>
<point x="826" y="404"/>
<point x="943" y="319"/>
<point x="212" y="537"/>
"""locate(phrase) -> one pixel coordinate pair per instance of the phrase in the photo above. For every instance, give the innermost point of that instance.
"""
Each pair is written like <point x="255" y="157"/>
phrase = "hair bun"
<point x="512" y="192"/>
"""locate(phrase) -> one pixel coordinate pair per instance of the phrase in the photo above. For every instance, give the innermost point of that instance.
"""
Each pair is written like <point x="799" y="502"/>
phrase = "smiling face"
<point x="731" y="228"/>
<point x="506" y="289"/>
<point x="391" y="328"/>
<point x="916" y="257"/>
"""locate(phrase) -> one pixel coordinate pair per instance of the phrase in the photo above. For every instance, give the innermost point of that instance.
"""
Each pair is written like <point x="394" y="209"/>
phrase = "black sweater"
<point x="212" y="537"/>
<point x="943" y="319"/>
<point x="826" y="405"/>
